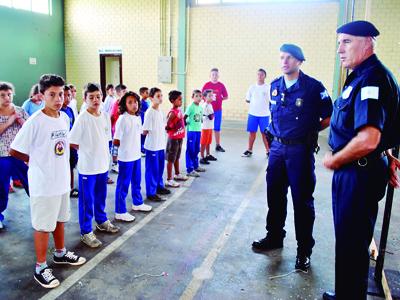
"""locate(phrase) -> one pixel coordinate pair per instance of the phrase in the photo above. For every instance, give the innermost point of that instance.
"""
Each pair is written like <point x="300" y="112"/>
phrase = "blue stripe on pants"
<point x="192" y="150"/>
<point x="92" y="200"/>
<point x="128" y="173"/>
<point x="11" y="166"/>
<point x="155" y="161"/>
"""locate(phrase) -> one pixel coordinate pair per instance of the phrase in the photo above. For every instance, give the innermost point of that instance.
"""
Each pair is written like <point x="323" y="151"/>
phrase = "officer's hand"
<point x="329" y="161"/>
<point x="394" y="165"/>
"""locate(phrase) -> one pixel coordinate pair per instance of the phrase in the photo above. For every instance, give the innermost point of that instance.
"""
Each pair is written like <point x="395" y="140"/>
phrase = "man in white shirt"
<point x="258" y="97"/>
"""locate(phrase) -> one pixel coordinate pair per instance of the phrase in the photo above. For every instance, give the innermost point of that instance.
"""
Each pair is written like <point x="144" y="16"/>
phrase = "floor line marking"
<point x="205" y="272"/>
<point x="99" y="257"/>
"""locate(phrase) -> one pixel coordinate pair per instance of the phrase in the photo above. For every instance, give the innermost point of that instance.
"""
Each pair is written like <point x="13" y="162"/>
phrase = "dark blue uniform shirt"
<point x="370" y="97"/>
<point x="297" y="111"/>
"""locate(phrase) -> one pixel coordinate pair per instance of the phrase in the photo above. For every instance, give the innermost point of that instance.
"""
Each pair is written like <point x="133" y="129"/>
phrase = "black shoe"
<point x="46" y="278"/>
<point x="163" y="191"/>
<point x="329" y="296"/>
<point x="211" y="158"/>
<point x="303" y="262"/>
<point x="204" y="161"/>
<point x="267" y="244"/>
<point x="69" y="258"/>
<point x="155" y="198"/>
<point x="247" y="153"/>
<point x="219" y="148"/>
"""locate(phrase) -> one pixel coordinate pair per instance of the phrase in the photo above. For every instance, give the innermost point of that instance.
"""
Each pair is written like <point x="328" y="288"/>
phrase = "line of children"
<point x="154" y="129"/>
<point x="90" y="136"/>
<point x="176" y="132"/>
<point x="193" y="118"/>
<point x="126" y="147"/>
<point x="43" y="141"/>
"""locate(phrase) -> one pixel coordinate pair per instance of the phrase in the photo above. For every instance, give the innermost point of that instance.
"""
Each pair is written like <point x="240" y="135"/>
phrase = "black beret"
<point x="359" y="28"/>
<point x="294" y="50"/>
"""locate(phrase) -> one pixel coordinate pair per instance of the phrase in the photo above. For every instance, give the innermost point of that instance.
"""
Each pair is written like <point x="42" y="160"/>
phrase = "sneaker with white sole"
<point x="172" y="183"/>
<point x="69" y="258"/>
<point x="107" y="226"/>
<point x="193" y="174"/>
<point x="200" y="169"/>
<point x="126" y="217"/>
<point x="91" y="240"/>
<point x="142" y="207"/>
<point x="114" y="168"/>
<point x="46" y="278"/>
<point x="181" y="177"/>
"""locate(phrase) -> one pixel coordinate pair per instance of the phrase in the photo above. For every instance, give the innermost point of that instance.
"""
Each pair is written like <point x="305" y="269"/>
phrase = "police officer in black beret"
<point x="300" y="107"/>
<point x="365" y="123"/>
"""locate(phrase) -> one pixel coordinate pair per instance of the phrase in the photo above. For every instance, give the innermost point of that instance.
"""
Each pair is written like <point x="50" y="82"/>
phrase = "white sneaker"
<point x="142" y="207"/>
<point x="181" y="177"/>
<point x="193" y="174"/>
<point x="114" y="168"/>
<point x="172" y="183"/>
<point x="1" y="225"/>
<point x="126" y="217"/>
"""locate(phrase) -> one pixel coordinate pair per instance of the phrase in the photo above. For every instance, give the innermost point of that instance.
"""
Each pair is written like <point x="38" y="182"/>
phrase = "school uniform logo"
<point x="59" y="148"/>
<point x="58" y="134"/>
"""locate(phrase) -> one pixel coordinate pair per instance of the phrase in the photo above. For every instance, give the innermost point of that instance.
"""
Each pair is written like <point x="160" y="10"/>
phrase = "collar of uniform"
<point x="294" y="87"/>
<point x="366" y="64"/>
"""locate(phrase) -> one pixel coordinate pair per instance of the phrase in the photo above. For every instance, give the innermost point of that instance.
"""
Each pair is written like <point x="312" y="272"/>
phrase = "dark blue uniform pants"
<point x="192" y="150"/>
<point x="9" y="167"/>
<point x="129" y="173"/>
<point x="155" y="162"/>
<point x="92" y="200"/>
<point x="355" y="194"/>
<point x="291" y="165"/>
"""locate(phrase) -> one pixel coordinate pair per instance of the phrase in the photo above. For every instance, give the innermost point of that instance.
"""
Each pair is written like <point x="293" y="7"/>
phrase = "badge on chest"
<point x="299" y="102"/>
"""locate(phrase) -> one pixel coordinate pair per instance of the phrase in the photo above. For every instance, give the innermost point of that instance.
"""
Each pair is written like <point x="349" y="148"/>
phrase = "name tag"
<point x="369" y="92"/>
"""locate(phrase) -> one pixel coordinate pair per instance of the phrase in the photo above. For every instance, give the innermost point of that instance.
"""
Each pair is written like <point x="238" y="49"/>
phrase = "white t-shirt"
<point x="45" y="140"/>
<point x="92" y="134"/>
<point x="259" y="97"/>
<point x="108" y="104"/>
<point x="155" y="122"/>
<point x="207" y="110"/>
<point x="128" y="130"/>
<point x="74" y="106"/>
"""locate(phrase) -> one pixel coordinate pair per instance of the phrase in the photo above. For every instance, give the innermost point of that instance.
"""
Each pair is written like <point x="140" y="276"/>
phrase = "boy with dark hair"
<point x="110" y="99"/>
<point x="43" y="142"/>
<point x="154" y="129"/>
<point x="144" y="105"/>
<point x="90" y="136"/>
<point x="176" y="132"/>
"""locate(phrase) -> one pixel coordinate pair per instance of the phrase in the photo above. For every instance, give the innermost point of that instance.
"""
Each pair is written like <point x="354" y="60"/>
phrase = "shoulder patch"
<point x="369" y="92"/>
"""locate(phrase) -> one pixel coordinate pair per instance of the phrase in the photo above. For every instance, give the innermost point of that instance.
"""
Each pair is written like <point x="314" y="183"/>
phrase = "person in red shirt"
<point x="176" y="132"/>
<point x="221" y="94"/>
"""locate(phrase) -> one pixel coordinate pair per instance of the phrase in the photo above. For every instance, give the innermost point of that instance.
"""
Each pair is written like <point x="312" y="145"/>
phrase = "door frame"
<point x="103" y="82"/>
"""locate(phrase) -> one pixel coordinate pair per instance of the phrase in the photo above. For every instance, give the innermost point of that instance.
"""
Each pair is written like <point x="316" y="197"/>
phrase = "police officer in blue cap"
<point x="365" y="123"/>
<point x="300" y="107"/>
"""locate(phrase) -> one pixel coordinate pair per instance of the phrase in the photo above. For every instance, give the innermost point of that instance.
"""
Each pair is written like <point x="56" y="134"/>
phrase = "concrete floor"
<point x="201" y="237"/>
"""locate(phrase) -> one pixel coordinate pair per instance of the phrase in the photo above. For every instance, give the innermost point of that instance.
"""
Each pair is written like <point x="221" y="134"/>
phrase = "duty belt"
<point x="290" y="141"/>
<point x="364" y="161"/>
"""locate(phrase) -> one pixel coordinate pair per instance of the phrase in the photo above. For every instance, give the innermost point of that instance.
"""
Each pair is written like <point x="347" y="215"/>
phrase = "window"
<point x="36" y="6"/>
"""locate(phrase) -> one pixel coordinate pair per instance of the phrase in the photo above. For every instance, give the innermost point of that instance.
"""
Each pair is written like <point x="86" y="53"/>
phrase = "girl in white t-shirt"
<point x="91" y="134"/>
<point x="128" y="130"/>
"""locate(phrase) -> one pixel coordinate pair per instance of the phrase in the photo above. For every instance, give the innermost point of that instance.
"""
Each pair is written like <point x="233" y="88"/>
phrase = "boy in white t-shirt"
<point x="207" y="127"/>
<point x="128" y="131"/>
<point x="258" y="97"/>
<point x="155" y="143"/>
<point x="90" y="135"/>
<point x="110" y="99"/>
<point x="43" y="142"/>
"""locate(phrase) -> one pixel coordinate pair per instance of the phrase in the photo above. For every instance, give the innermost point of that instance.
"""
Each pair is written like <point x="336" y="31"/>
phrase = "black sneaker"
<point x="46" y="278"/>
<point x="155" y="198"/>
<point x="303" y="262"/>
<point x="219" y="148"/>
<point x="247" y="153"/>
<point x="69" y="258"/>
<point x="211" y="158"/>
<point x="204" y="161"/>
<point x="267" y="243"/>
<point x="163" y="191"/>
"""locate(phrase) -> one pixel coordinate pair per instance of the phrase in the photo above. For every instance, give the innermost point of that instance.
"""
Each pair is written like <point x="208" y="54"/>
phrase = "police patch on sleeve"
<point x="324" y="95"/>
<point x="369" y="92"/>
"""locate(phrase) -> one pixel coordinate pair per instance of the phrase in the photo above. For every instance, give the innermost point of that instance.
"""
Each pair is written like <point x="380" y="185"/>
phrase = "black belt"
<point x="364" y="161"/>
<point x="290" y="141"/>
